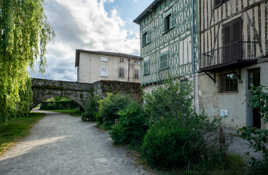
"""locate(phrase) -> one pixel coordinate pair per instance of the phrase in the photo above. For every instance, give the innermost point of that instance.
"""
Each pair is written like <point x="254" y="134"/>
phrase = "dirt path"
<point x="63" y="145"/>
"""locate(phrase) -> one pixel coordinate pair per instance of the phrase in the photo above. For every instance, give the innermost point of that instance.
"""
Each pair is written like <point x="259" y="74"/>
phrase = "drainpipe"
<point x="128" y="68"/>
<point x="194" y="54"/>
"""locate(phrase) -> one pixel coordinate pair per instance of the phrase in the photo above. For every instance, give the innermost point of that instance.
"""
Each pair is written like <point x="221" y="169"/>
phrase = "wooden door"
<point x="254" y="79"/>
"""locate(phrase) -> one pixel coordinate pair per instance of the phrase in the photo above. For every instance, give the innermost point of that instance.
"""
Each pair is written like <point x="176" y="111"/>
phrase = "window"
<point x="228" y="82"/>
<point x="169" y="23"/>
<point x="218" y="3"/>
<point x="104" y="71"/>
<point x="121" y="60"/>
<point x="232" y="41"/>
<point x="136" y="74"/>
<point x="121" y="73"/>
<point x="136" y="62"/>
<point x="104" y="59"/>
<point x="164" y="61"/>
<point x="146" y="39"/>
<point x="146" y="68"/>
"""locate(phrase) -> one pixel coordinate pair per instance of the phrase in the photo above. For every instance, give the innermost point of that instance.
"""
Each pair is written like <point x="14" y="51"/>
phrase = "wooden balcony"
<point x="236" y="55"/>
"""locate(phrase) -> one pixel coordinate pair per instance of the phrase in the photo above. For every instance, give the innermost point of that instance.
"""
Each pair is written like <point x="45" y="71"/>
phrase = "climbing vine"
<point x="24" y="34"/>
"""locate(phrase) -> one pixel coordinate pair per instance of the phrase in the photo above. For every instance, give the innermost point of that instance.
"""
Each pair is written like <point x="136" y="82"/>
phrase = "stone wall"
<point x="80" y="92"/>
<point x="129" y="88"/>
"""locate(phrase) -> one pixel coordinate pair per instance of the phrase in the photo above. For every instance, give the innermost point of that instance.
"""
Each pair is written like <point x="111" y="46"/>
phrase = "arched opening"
<point x="60" y="104"/>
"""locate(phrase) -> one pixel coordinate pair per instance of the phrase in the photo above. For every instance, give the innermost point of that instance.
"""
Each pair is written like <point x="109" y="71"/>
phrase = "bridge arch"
<point x="45" y="89"/>
<point x="81" y="92"/>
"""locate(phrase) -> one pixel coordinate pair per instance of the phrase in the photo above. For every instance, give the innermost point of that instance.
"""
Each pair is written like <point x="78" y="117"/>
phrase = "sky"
<point x="103" y="25"/>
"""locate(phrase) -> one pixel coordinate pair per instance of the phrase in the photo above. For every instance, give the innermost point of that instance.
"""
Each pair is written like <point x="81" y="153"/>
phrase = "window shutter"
<point x="236" y="39"/>
<point x="172" y="21"/>
<point x="146" y="67"/>
<point x="148" y="37"/>
<point x="226" y="43"/>
<point x="165" y="24"/>
<point x="144" y="39"/>
<point x="164" y="61"/>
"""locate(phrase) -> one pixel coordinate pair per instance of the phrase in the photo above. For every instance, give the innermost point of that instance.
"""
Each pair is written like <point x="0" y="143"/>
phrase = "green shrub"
<point x="91" y="110"/>
<point x="258" y="138"/>
<point x="173" y="143"/>
<point x="131" y="126"/>
<point x="169" y="100"/>
<point x="109" y="107"/>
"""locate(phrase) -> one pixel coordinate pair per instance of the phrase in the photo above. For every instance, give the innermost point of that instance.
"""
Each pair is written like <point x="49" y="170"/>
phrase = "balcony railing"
<point x="239" y="53"/>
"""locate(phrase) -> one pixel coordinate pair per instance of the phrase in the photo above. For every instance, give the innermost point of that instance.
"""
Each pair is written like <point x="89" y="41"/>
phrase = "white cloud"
<point x="83" y="24"/>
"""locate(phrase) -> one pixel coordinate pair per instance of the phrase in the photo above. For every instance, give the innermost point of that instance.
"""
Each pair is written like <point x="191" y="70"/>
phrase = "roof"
<point x="78" y="51"/>
<point x="146" y="11"/>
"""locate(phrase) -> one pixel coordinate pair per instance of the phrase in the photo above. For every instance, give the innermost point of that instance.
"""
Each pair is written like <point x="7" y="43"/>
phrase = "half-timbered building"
<point x="169" y="40"/>
<point x="233" y="56"/>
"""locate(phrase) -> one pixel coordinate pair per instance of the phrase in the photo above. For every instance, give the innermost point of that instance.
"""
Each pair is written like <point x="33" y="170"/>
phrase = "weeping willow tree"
<point x="24" y="34"/>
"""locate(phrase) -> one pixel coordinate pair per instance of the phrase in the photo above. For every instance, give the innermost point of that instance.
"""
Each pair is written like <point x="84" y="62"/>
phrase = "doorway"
<point x="254" y="80"/>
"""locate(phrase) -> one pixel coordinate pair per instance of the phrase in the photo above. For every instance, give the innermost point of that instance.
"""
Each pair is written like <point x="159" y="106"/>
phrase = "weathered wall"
<point x="212" y="101"/>
<point x="80" y="92"/>
<point x="129" y="88"/>
<point x="90" y="68"/>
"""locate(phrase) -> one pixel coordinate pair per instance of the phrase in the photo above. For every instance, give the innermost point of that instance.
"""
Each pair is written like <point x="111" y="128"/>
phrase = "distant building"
<point x="94" y="66"/>
<point x="234" y="56"/>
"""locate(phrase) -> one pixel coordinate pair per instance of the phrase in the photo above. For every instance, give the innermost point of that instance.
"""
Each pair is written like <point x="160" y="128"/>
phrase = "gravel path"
<point x="63" y="145"/>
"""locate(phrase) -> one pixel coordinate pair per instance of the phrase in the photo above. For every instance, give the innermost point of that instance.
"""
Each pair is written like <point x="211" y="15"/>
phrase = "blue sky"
<point x="92" y="25"/>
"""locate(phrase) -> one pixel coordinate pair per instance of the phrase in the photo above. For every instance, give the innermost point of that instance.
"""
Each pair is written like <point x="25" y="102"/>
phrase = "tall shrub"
<point x="24" y="33"/>
<point x="172" y="143"/>
<point x="172" y="99"/>
<point x="92" y="108"/>
<point x="131" y="126"/>
<point x="109" y="107"/>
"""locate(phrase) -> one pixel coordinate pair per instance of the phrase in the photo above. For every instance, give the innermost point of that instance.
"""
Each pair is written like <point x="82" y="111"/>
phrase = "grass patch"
<point x="72" y="112"/>
<point x="16" y="129"/>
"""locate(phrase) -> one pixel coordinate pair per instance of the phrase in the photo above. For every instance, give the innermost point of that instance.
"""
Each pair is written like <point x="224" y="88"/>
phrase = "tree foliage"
<point x="24" y="33"/>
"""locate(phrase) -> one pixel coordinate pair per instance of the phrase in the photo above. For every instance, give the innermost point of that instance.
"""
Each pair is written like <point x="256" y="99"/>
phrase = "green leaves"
<point x="24" y="33"/>
<point x="172" y="99"/>
<point x="259" y="100"/>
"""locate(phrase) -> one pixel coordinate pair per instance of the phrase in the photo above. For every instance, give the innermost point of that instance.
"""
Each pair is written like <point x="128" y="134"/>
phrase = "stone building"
<point x="234" y="56"/>
<point x="169" y="41"/>
<point x="93" y="66"/>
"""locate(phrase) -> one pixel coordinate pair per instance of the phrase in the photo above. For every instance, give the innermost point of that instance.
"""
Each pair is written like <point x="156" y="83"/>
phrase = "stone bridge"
<point x="80" y="92"/>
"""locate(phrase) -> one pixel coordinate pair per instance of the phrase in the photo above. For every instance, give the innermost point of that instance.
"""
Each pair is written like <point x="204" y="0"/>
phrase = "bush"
<point x="91" y="110"/>
<point x="169" y="100"/>
<point x="174" y="142"/>
<point x="258" y="138"/>
<point x="131" y="126"/>
<point x="109" y="107"/>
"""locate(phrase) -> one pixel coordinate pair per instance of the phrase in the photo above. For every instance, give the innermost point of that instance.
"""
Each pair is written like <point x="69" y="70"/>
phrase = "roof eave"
<point x="146" y="11"/>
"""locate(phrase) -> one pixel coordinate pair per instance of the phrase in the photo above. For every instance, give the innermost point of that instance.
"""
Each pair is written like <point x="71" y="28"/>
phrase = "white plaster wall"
<point x="90" y="68"/>
<point x="211" y="101"/>
<point x="84" y="69"/>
